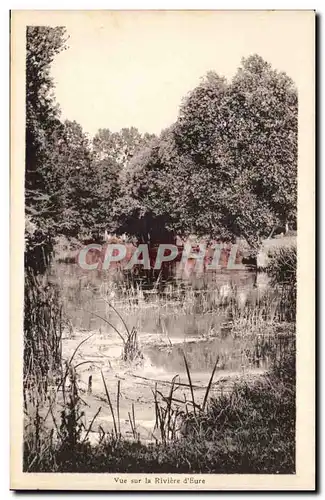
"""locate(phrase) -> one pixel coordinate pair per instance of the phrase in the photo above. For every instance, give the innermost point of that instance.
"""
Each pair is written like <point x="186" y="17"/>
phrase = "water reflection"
<point x="230" y="314"/>
<point x="233" y="354"/>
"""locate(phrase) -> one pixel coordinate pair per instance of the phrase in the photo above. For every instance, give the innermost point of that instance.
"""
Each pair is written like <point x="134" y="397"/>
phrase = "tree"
<point x="136" y="211"/>
<point x="43" y="127"/>
<point x="160" y="193"/>
<point x="263" y="104"/>
<point x="78" y="204"/>
<point x="42" y="118"/>
<point x="242" y="138"/>
<point x="113" y="153"/>
<point x="118" y="147"/>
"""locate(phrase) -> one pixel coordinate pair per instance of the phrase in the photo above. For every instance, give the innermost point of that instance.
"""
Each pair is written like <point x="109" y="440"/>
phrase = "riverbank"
<point x="250" y="428"/>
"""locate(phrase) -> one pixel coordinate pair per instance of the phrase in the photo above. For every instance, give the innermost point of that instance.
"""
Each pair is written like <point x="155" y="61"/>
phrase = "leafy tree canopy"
<point x="242" y="137"/>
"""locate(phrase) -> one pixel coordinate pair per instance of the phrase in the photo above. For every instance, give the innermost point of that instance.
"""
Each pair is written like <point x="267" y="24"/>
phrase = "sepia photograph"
<point x="162" y="224"/>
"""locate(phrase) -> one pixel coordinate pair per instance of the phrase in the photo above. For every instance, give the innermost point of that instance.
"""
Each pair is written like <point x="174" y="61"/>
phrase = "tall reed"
<point x="43" y="327"/>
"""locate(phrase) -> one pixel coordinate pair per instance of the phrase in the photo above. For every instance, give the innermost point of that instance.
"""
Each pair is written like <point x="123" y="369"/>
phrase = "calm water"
<point x="179" y="308"/>
<point x="181" y="302"/>
<point x="233" y="354"/>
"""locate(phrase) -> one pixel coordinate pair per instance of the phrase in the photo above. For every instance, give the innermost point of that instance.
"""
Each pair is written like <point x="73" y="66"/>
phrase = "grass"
<point x="251" y="430"/>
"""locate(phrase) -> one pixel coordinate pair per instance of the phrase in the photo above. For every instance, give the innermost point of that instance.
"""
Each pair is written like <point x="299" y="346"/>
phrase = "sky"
<point x="129" y="68"/>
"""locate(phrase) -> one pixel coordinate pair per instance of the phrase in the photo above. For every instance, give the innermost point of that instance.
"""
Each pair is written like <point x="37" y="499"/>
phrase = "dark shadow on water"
<point x="234" y="354"/>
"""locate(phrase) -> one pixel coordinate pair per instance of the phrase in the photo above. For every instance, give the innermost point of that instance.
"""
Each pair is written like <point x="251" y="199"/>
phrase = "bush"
<point x="282" y="267"/>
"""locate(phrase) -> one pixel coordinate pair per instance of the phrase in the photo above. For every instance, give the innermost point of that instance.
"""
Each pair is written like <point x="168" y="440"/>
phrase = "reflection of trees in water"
<point x="202" y="292"/>
<point x="149" y="279"/>
<point x="253" y="352"/>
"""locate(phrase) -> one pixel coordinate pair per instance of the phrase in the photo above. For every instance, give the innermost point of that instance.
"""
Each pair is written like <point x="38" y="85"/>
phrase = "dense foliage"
<point x="282" y="267"/>
<point x="227" y="168"/>
<point x="242" y="137"/>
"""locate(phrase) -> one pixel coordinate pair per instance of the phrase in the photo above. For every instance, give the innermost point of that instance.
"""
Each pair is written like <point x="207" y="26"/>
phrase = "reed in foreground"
<point x="251" y="430"/>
